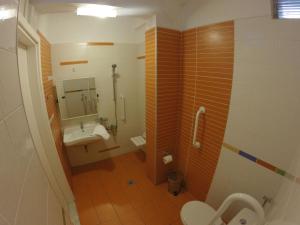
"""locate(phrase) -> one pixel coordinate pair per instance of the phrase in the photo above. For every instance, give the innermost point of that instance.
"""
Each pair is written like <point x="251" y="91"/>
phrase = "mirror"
<point x="80" y="98"/>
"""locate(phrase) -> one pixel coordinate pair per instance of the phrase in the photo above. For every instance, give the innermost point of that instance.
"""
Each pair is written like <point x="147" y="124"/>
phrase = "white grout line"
<point x="4" y="219"/>
<point x="22" y="189"/>
<point x="47" y="202"/>
<point x="12" y="112"/>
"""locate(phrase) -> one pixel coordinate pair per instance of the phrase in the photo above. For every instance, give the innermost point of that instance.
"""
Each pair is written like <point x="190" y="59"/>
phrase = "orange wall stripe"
<point x="74" y="62"/>
<point x="100" y="43"/>
<point x="141" y="57"/>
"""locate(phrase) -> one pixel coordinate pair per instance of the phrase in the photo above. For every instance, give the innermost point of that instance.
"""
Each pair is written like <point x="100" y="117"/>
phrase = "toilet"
<point x="197" y="213"/>
<point x="200" y="213"/>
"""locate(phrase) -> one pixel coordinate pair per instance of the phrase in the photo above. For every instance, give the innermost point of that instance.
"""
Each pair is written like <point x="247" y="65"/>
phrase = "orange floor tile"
<point x="104" y="197"/>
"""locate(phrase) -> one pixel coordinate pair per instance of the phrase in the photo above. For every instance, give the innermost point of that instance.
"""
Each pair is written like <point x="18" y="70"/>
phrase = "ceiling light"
<point x="102" y="11"/>
<point x="7" y="13"/>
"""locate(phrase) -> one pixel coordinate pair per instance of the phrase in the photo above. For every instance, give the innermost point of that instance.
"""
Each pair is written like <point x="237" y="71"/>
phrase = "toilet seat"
<point x="197" y="213"/>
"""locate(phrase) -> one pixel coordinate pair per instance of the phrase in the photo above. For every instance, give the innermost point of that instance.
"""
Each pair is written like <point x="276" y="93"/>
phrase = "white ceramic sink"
<point x="76" y="136"/>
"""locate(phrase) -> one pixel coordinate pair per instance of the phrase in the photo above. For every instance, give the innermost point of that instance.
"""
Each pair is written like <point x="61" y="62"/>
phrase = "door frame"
<point x="37" y="116"/>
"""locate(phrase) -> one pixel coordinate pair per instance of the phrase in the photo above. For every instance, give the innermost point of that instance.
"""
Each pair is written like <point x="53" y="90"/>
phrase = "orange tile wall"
<point x="168" y="75"/>
<point x="150" y="50"/>
<point x="52" y="108"/>
<point x="162" y="99"/>
<point x="193" y="68"/>
<point x="187" y="96"/>
<point x="206" y="81"/>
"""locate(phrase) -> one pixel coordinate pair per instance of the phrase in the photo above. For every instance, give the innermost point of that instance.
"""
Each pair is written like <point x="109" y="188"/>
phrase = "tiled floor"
<point x="104" y="197"/>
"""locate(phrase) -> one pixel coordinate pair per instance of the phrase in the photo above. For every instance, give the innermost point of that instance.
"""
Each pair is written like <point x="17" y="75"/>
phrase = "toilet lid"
<point x="197" y="213"/>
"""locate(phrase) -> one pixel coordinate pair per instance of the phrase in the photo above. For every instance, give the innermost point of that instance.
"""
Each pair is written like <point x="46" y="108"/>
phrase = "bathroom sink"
<point x="76" y="136"/>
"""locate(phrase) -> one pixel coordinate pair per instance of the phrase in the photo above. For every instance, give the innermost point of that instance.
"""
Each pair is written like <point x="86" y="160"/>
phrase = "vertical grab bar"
<point x="196" y="143"/>
<point x="123" y="116"/>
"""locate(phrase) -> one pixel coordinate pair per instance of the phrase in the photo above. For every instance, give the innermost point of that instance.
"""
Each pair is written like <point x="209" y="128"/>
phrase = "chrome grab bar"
<point x="123" y="102"/>
<point x="196" y="144"/>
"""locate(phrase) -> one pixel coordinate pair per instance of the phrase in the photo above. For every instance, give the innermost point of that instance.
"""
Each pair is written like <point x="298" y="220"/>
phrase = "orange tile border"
<point x="266" y="165"/>
<point x="65" y="63"/>
<point x="141" y="57"/>
<point x="100" y="43"/>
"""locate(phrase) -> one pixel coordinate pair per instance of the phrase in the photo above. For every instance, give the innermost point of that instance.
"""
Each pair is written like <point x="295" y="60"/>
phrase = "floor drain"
<point x="131" y="182"/>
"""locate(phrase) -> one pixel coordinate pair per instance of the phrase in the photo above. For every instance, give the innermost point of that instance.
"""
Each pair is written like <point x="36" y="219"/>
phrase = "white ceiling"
<point x="125" y="7"/>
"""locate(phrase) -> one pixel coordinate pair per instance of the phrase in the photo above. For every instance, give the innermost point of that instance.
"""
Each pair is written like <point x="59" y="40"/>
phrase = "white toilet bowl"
<point x="200" y="213"/>
<point x="197" y="213"/>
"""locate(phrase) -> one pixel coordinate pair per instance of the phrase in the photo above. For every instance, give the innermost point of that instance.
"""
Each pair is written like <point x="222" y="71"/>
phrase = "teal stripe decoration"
<point x="262" y="163"/>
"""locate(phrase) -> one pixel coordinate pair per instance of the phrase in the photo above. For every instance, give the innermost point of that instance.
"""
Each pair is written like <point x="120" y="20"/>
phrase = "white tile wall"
<point x="11" y="174"/>
<point x="9" y="82"/>
<point x="8" y="27"/>
<point x="54" y="209"/>
<point x="21" y="137"/>
<point x="1" y="109"/>
<point x="141" y="87"/>
<point x="25" y="194"/>
<point x="84" y="29"/>
<point x="100" y="60"/>
<point x="265" y="101"/>
<point x="198" y="13"/>
<point x="3" y="221"/>
<point x="236" y="174"/>
<point x="286" y="204"/>
<point x="264" y="110"/>
<point x="14" y="163"/>
<point x="35" y="193"/>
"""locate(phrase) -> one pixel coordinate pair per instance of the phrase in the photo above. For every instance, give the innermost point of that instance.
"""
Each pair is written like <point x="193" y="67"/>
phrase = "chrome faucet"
<point x="81" y="126"/>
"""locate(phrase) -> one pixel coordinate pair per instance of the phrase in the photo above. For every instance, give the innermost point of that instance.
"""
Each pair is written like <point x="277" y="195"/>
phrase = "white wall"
<point x="198" y="13"/>
<point x="65" y="31"/>
<point x="29" y="12"/>
<point x="264" y="107"/>
<point x="264" y="104"/>
<point x="286" y="204"/>
<point x="25" y="194"/>
<point x="263" y="118"/>
<point x="141" y="85"/>
<point x="234" y="174"/>
<point x="265" y="99"/>
<point x="70" y="28"/>
<point x="100" y="60"/>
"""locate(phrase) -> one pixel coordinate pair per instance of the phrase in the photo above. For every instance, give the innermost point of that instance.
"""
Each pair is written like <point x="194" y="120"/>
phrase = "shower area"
<point x="98" y="83"/>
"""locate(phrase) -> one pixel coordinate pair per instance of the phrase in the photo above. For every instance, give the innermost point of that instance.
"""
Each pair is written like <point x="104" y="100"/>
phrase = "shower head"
<point x="114" y="66"/>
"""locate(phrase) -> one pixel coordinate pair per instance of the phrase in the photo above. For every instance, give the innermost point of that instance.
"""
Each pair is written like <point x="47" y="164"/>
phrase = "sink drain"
<point x="131" y="182"/>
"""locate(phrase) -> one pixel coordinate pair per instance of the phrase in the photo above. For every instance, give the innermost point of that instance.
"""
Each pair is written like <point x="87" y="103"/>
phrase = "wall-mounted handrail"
<point x="196" y="143"/>
<point x="249" y="200"/>
<point x="123" y="108"/>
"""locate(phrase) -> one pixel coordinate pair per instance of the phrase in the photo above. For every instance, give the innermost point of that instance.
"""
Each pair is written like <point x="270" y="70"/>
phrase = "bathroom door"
<point x="36" y="113"/>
